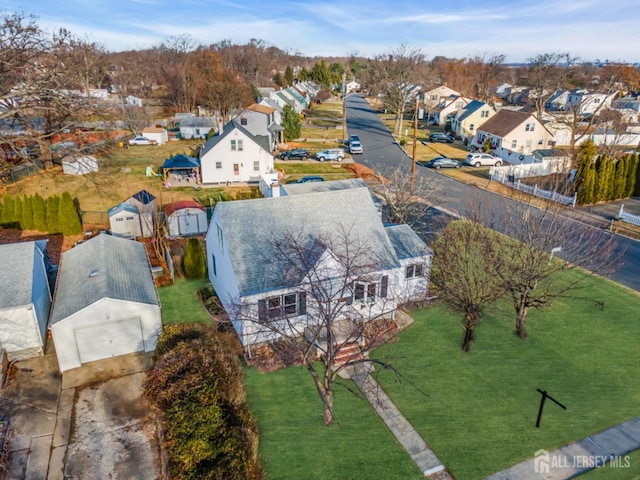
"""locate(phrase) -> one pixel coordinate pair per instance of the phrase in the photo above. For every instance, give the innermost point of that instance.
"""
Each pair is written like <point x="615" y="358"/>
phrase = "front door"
<point x="236" y="169"/>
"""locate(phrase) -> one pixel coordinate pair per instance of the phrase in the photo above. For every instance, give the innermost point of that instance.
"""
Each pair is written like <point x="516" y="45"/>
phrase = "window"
<point x="220" y="237"/>
<point x="484" y="114"/>
<point x="471" y="127"/>
<point x="218" y="164"/>
<point x="514" y="144"/>
<point x="280" y="306"/>
<point x="368" y="292"/>
<point x="240" y="145"/>
<point x="243" y="121"/>
<point x="416" y="270"/>
<point x="256" y="166"/>
<point x="234" y="146"/>
<point x="119" y="219"/>
<point x="129" y="219"/>
<point x="213" y="264"/>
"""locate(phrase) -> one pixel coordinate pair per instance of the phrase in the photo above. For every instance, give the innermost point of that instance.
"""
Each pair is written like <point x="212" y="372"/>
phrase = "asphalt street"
<point x="383" y="154"/>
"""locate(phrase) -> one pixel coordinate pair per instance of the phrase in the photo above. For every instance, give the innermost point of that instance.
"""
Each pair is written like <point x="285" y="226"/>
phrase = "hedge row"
<point x="32" y="212"/>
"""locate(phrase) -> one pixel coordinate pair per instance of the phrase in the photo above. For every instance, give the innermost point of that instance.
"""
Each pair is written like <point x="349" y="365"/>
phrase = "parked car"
<point x="355" y="147"/>
<point x="440" y="138"/>
<point x="440" y="162"/>
<point x="296" y="153"/>
<point x="331" y="154"/>
<point x="353" y="138"/>
<point x="310" y="179"/>
<point x="477" y="159"/>
<point x="140" y="140"/>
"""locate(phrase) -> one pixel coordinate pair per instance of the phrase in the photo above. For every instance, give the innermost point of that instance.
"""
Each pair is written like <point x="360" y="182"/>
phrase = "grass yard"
<point x="295" y="444"/>
<point x="180" y="303"/>
<point x="610" y="473"/>
<point x="480" y="414"/>
<point x="328" y="170"/>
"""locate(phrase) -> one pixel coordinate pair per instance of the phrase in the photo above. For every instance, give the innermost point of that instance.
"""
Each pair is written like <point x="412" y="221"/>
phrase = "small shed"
<point x="185" y="218"/>
<point x="124" y="220"/>
<point x="106" y="302"/>
<point x="160" y="135"/>
<point x="181" y="167"/>
<point x="147" y="206"/>
<point x="79" y="165"/>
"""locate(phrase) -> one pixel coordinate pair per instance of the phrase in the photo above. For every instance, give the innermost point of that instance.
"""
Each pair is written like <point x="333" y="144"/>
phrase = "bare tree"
<point x="538" y="247"/>
<point x="466" y="261"/>
<point x="546" y="73"/>
<point x="340" y="287"/>
<point x="485" y="70"/>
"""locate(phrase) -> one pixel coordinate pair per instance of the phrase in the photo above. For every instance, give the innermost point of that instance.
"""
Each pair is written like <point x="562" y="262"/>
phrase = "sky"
<point x="519" y="29"/>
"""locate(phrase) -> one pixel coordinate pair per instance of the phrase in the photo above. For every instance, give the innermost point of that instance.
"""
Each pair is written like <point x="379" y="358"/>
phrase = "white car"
<point x="484" y="159"/>
<point x="355" y="147"/>
<point x="142" y="141"/>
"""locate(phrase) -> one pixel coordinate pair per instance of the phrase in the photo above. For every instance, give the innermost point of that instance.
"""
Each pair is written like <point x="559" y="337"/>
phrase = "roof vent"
<point x="93" y="273"/>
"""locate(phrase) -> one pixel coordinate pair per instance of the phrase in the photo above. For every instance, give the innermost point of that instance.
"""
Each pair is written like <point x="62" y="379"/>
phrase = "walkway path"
<point x="420" y="453"/>
<point x="609" y="446"/>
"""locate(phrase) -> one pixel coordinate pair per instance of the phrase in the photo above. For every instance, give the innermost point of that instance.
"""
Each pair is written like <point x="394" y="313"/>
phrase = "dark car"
<point x="310" y="179"/>
<point x="296" y="153"/>
<point x="441" y="162"/>
<point x="440" y="138"/>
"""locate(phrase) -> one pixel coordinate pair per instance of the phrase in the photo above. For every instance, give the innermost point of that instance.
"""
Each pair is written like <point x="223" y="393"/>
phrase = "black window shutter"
<point x="302" y="303"/>
<point x="262" y="310"/>
<point x="384" y="285"/>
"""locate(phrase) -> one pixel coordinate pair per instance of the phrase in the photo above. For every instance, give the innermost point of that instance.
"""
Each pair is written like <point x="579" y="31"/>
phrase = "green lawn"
<point x="628" y="470"/>
<point x="480" y="414"/>
<point x="329" y="171"/>
<point x="295" y="444"/>
<point x="180" y="303"/>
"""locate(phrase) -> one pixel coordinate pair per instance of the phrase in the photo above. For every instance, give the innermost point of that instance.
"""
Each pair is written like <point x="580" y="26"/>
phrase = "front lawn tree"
<point x="335" y="282"/>
<point x="466" y="261"/>
<point x="291" y="123"/>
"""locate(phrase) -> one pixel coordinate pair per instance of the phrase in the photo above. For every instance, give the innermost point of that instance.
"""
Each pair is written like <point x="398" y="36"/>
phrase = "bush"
<point x="39" y="213"/>
<point x="197" y="381"/>
<point x="68" y="218"/>
<point x="52" y="204"/>
<point x="194" y="266"/>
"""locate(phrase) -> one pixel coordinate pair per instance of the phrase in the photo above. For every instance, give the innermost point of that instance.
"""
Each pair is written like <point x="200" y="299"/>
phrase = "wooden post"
<point x="413" y="156"/>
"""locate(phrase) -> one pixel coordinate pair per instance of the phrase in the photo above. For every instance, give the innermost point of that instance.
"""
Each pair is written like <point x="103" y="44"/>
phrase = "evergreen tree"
<point x="288" y="76"/>
<point x="291" y="123"/>
<point x="27" y="213"/>
<point x="1" y="207"/>
<point x="636" y="190"/>
<point x="68" y="218"/>
<point x="584" y="180"/>
<point x="630" y="175"/>
<point x="194" y="266"/>
<point x="17" y="216"/>
<point x="52" y="204"/>
<point x="303" y="76"/>
<point x="600" y="180"/>
<point x="39" y="213"/>
<point x="610" y="174"/>
<point x="277" y="79"/>
<point x="8" y="210"/>
<point x="320" y="74"/>
<point x="619" y="179"/>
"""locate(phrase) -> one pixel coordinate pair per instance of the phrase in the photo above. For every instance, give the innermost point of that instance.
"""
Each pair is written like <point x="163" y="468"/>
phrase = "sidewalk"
<point x="608" y="446"/>
<point x="410" y="440"/>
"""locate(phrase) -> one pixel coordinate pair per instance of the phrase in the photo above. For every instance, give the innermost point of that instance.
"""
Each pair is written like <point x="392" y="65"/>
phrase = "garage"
<point x="106" y="304"/>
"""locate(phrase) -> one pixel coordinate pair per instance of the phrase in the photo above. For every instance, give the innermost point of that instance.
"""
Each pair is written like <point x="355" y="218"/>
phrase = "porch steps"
<point x="348" y="352"/>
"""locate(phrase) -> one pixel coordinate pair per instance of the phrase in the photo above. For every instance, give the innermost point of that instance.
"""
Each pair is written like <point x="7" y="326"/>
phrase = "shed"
<point x="79" y="165"/>
<point x="181" y="166"/>
<point x="160" y="135"/>
<point x="147" y="206"/>
<point x="106" y="303"/>
<point x="185" y="218"/>
<point x="25" y="298"/>
<point x="124" y="220"/>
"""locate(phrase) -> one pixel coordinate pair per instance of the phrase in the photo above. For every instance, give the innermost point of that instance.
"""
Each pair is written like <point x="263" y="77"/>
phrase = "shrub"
<point x="194" y="266"/>
<point x="8" y="210"/>
<point x="68" y="218"/>
<point x="52" y="204"/>
<point x="39" y="213"/>
<point x="27" y="213"/>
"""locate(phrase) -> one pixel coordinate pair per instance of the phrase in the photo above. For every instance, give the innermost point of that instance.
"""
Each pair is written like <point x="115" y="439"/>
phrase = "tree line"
<point x="55" y="214"/>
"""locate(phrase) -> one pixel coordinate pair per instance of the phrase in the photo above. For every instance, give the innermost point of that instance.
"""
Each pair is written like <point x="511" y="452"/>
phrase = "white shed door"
<point x="188" y="224"/>
<point x="109" y="339"/>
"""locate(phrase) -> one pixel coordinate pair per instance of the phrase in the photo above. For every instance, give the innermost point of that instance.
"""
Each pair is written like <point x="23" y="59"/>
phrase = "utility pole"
<point x="413" y="156"/>
<point x="344" y="108"/>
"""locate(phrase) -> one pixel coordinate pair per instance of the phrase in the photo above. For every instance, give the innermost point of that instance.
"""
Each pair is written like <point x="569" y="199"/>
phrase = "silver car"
<point x="484" y="159"/>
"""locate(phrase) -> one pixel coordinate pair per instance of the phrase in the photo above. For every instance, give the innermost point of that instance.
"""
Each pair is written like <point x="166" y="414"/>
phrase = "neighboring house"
<point x="448" y="109"/>
<point x="351" y="86"/>
<point x="25" y="298"/>
<point x="146" y="204"/>
<point x="79" y="165"/>
<point x="277" y="114"/>
<point x="197" y="127"/>
<point x="160" y="135"/>
<point x="133" y="101"/>
<point x="259" y="120"/>
<point x="124" y="221"/>
<point x="468" y="119"/>
<point x="435" y="97"/>
<point x="503" y="90"/>
<point x="106" y="303"/>
<point x="235" y="155"/>
<point x="247" y="268"/>
<point x="186" y="218"/>
<point x="558" y="101"/>
<point x="624" y="103"/>
<point x="512" y="133"/>
<point x="585" y="103"/>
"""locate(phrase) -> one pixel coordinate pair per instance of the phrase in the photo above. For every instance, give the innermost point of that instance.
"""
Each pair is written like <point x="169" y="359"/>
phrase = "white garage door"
<point x="109" y="339"/>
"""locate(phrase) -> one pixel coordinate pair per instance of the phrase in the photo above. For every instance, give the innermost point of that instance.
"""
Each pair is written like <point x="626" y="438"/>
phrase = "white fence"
<point x="627" y="217"/>
<point x="514" y="172"/>
<point x="539" y="192"/>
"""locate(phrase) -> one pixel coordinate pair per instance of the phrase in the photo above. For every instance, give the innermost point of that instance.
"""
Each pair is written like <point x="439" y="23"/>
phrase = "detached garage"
<point x="185" y="218"/>
<point x="106" y="303"/>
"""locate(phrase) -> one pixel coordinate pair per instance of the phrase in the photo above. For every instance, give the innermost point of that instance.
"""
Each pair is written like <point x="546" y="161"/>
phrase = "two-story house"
<point x="470" y="117"/>
<point x="260" y="121"/>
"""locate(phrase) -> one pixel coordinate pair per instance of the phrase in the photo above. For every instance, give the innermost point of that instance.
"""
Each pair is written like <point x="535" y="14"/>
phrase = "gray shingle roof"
<point x="251" y="228"/>
<point x="261" y="140"/>
<point x="104" y="266"/>
<point x="311" y="187"/>
<point x="470" y="109"/>
<point x="406" y="242"/>
<point x="17" y="261"/>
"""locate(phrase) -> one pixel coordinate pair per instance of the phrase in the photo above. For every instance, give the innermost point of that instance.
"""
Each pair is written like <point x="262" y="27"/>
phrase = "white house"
<point x="79" y="165"/>
<point x="185" y="218"/>
<point x="147" y="206"/>
<point x="436" y="96"/>
<point x="25" y="298"/>
<point x="351" y="86"/>
<point x="235" y="155"/>
<point x="513" y="134"/>
<point x="466" y="121"/>
<point x="259" y="120"/>
<point x="586" y="103"/>
<point x="160" y="135"/>
<point x="106" y="303"/>
<point x="124" y="221"/>
<point x="257" y="283"/>
<point x="197" y="127"/>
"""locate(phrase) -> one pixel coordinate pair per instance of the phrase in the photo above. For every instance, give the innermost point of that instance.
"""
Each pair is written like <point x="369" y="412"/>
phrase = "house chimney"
<point x="220" y="126"/>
